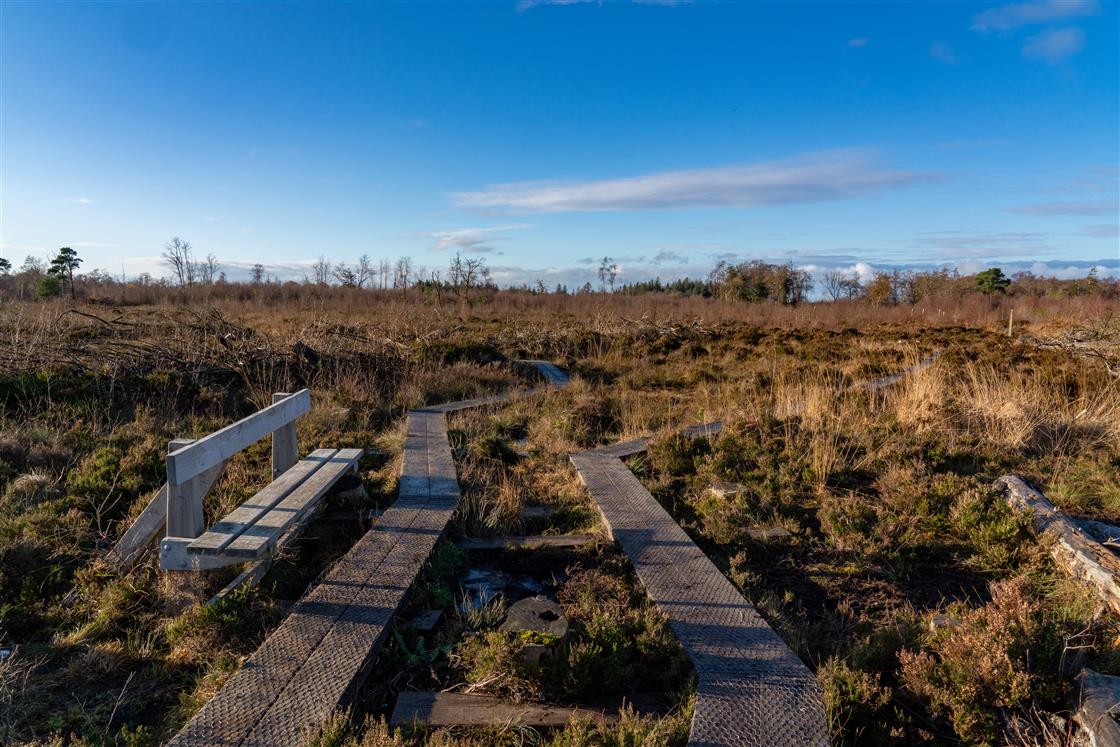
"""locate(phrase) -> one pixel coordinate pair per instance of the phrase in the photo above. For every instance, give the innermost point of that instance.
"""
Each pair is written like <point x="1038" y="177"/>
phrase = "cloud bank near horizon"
<point x="669" y="264"/>
<point x="818" y="177"/>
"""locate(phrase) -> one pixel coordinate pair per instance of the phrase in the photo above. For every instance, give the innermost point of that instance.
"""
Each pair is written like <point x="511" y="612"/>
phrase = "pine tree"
<point x="63" y="266"/>
<point x="992" y="281"/>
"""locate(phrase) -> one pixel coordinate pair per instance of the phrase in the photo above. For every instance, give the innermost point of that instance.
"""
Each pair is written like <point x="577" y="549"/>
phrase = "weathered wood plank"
<point x="248" y="513"/>
<point x="535" y="512"/>
<point x="141" y="533"/>
<point x="751" y="687"/>
<point x="552" y="373"/>
<point x="528" y="542"/>
<point x="257" y="539"/>
<point x="1075" y="551"/>
<point x="183" y="511"/>
<point x="317" y="658"/>
<point x="219" y="446"/>
<point x="173" y="556"/>
<point x="285" y="451"/>
<point x="463" y="709"/>
<point x="146" y="526"/>
<point x="1098" y="703"/>
<point x="891" y="379"/>
<point x="256" y="572"/>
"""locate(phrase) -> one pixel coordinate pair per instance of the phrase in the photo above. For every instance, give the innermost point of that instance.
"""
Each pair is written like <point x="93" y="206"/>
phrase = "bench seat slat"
<point x="258" y="539"/>
<point x="244" y="516"/>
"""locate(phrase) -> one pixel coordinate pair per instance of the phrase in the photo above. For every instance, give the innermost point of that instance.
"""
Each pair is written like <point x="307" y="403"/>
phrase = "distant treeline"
<point x="785" y="284"/>
<point x="467" y="278"/>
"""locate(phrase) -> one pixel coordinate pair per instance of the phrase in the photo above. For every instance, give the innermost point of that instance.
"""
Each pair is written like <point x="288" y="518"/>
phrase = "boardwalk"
<point x="752" y="689"/>
<point x="320" y="654"/>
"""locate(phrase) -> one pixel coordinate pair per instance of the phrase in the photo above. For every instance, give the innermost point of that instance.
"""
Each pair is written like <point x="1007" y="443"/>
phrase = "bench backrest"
<point x="210" y="451"/>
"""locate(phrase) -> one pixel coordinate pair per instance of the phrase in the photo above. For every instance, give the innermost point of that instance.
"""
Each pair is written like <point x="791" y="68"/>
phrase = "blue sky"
<point x="544" y="135"/>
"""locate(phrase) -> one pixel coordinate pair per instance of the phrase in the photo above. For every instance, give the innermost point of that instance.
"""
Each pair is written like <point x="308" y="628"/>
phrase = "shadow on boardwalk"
<point x="320" y="655"/>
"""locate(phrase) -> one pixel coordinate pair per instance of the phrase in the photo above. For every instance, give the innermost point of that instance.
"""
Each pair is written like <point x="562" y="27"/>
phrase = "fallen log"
<point x="1106" y="534"/>
<point x="1074" y="550"/>
<point x="1099" y="701"/>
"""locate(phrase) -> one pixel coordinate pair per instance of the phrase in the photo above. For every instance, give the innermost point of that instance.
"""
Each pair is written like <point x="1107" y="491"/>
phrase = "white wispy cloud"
<point x="296" y="270"/>
<point x="1055" y="45"/>
<point x="78" y="200"/>
<point x="859" y="41"/>
<point x="471" y="240"/>
<point x="1015" y="15"/>
<point x="524" y="5"/>
<point x="832" y="175"/>
<point x="209" y="218"/>
<point x="1070" y="207"/>
<point x="943" y="52"/>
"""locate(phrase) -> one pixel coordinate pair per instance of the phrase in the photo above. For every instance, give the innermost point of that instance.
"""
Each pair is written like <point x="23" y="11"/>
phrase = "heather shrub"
<point x="1001" y="655"/>
<point x="853" y="701"/>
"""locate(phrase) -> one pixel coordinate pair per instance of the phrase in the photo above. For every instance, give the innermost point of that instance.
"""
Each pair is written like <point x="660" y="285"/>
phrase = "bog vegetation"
<point x="928" y="609"/>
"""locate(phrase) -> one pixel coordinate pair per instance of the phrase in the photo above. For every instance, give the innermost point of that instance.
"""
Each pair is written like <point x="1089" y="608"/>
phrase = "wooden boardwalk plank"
<point x="752" y="689"/>
<point x="552" y="373"/>
<point x="532" y="541"/>
<point x="462" y="709"/>
<point x="468" y="404"/>
<point x="317" y="658"/>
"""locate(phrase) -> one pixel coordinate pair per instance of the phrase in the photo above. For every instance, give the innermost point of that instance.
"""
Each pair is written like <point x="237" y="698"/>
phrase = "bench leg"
<point x="184" y="503"/>
<point x="285" y="451"/>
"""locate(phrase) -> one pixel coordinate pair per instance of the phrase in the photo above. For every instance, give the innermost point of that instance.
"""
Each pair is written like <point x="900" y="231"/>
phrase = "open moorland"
<point x="856" y="513"/>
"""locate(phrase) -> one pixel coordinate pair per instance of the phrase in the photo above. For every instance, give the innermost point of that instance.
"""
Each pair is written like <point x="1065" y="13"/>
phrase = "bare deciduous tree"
<point x="608" y="272"/>
<point x="841" y="285"/>
<point x="207" y="270"/>
<point x="177" y="255"/>
<point x="466" y="273"/>
<point x="364" y="271"/>
<point x="321" y="270"/>
<point x="402" y="272"/>
<point x="256" y="273"/>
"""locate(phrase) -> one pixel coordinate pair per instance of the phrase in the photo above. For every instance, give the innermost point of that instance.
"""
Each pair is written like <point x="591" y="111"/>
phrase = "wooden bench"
<point x="253" y="529"/>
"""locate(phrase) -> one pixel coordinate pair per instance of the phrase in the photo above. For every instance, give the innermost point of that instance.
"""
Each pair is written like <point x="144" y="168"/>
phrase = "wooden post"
<point x="285" y="451"/>
<point x="1010" y="319"/>
<point x="184" y="506"/>
<point x="184" y="502"/>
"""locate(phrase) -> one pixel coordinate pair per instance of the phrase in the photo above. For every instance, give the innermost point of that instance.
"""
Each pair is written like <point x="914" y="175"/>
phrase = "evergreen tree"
<point x="48" y="286"/>
<point x="992" y="281"/>
<point x="63" y="266"/>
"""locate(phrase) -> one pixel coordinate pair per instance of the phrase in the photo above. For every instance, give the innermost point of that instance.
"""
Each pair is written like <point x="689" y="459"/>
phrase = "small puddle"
<point x="484" y="581"/>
